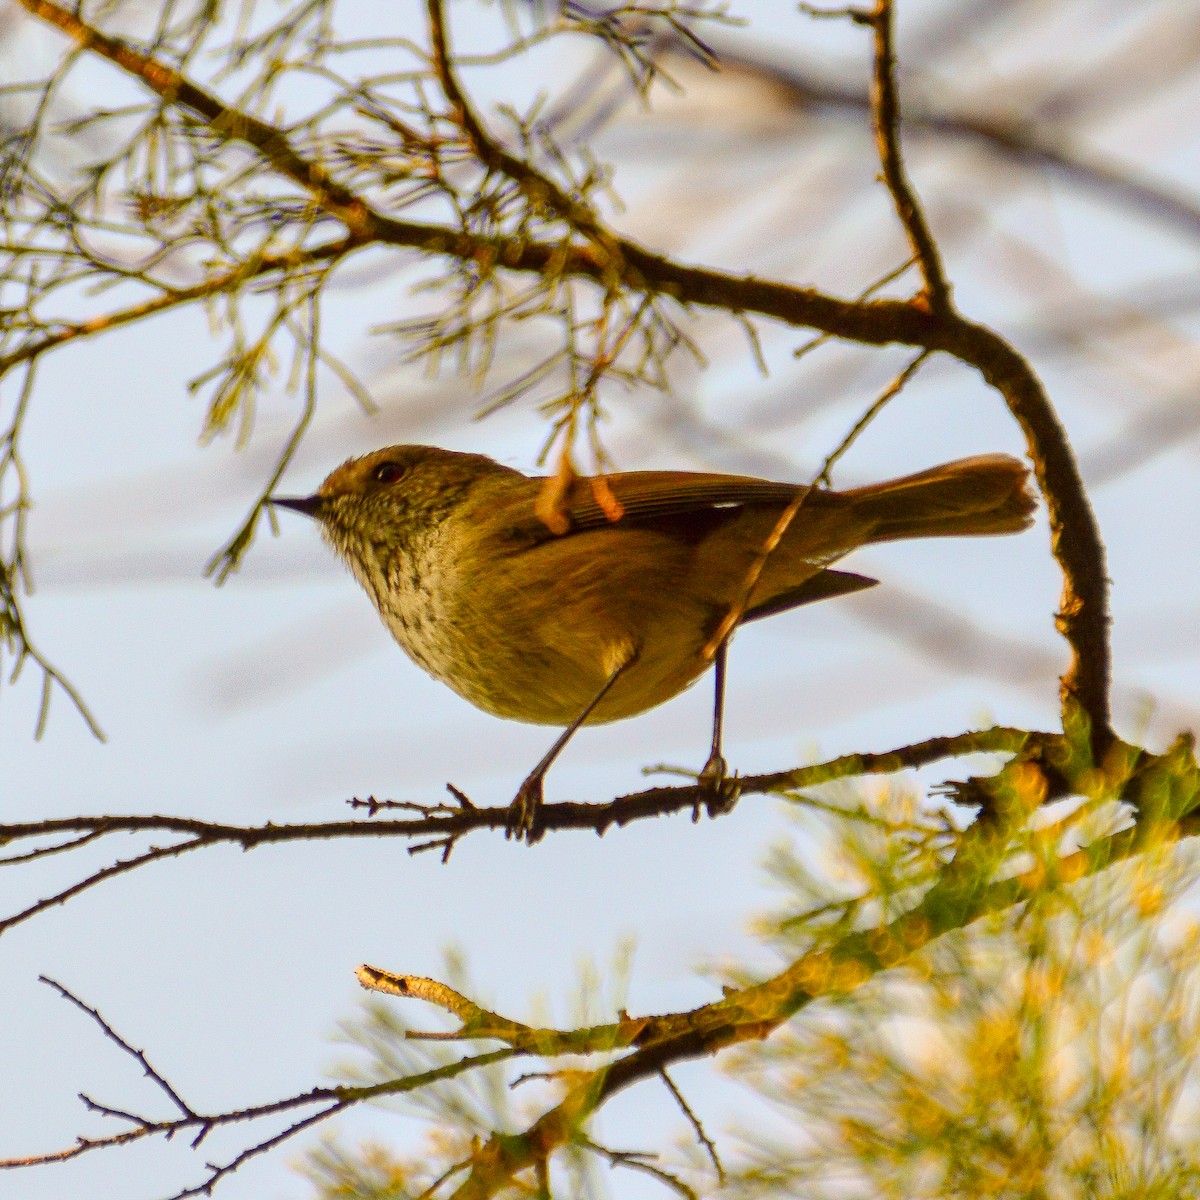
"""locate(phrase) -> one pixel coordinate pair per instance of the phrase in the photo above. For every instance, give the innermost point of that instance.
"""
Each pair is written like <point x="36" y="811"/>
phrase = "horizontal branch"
<point x="441" y="826"/>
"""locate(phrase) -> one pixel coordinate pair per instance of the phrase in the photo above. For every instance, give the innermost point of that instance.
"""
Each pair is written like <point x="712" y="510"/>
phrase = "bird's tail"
<point x="987" y="494"/>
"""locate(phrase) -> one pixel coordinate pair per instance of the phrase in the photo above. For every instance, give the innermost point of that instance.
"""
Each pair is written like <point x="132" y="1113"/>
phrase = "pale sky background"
<point x="280" y="695"/>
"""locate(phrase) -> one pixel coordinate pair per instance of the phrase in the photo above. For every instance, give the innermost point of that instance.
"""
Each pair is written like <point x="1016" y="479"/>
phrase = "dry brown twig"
<point x="334" y="1100"/>
<point x="734" y="615"/>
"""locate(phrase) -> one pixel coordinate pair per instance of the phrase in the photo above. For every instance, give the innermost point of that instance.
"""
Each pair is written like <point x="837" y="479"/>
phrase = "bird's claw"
<point x="525" y="813"/>
<point x="720" y="787"/>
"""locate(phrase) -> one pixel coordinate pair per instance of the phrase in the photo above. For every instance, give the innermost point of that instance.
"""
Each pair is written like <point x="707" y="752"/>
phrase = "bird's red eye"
<point x="387" y="472"/>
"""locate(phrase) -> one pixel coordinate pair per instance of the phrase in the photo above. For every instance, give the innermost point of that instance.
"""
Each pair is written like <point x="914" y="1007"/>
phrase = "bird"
<point x="570" y="600"/>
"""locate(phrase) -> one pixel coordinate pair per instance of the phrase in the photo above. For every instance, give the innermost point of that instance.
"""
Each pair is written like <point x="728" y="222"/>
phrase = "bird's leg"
<point x="714" y="778"/>
<point x="524" y="814"/>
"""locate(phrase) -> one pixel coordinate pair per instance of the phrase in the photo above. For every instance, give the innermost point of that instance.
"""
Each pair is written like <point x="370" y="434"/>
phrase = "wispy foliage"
<point x="244" y="155"/>
<point x="1048" y="1050"/>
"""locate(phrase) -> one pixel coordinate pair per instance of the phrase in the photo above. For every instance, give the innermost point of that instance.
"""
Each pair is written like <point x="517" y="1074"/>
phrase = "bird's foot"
<point x="721" y="789"/>
<point x="525" y="812"/>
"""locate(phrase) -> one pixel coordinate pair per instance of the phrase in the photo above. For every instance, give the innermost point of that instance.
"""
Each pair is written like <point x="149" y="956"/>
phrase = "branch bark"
<point x="443" y="825"/>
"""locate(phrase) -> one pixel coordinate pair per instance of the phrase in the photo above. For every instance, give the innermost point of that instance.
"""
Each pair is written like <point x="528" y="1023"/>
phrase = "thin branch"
<point x="217" y="1172"/>
<point x="440" y="822"/>
<point x="254" y="268"/>
<point x="636" y="1160"/>
<point x="885" y="109"/>
<point x="228" y="557"/>
<point x="694" y="1121"/>
<point x="889" y="393"/>
<point x="98" y="825"/>
<point x="74" y="843"/>
<point x="138" y="1055"/>
<point x="771" y="543"/>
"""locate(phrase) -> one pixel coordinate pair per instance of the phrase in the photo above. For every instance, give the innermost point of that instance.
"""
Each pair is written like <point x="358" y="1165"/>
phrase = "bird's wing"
<point x="688" y="505"/>
<point x="647" y="496"/>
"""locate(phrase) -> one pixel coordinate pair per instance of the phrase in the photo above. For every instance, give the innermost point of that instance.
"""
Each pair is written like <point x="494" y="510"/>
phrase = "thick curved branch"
<point x="1083" y="616"/>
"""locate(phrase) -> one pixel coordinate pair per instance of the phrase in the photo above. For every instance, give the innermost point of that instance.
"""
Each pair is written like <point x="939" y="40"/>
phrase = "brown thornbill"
<point x="615" y="609"/>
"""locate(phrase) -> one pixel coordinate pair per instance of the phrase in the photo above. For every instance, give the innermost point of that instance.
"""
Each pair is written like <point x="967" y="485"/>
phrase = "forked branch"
<point x="330" y="1101"/>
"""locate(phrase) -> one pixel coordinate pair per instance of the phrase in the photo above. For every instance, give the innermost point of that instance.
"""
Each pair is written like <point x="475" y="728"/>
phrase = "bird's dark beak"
<point x="310" y="506"/>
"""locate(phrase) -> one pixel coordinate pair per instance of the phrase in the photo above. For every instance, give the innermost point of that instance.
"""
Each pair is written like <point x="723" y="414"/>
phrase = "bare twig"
<point x="771" y="543"/>
<point x="439" y="823"/>
<point x="889" y="393"/>
<point x="101" y="826"/>
<point x="885" y="112"/>
<point x="636" y="1160"/>
<point x="694" y="1121"/>
<point x="63" y="847"/>
<point x="138" y="1055"/>
<point x="258" y="267"/>
<point x="334" y="1100"/>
